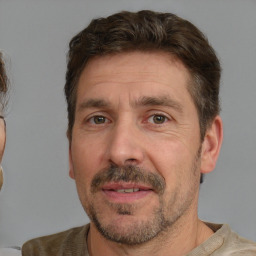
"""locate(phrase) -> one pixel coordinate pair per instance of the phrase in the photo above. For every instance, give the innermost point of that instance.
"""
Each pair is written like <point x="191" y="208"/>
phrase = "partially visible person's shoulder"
<point x="69" y="242"/>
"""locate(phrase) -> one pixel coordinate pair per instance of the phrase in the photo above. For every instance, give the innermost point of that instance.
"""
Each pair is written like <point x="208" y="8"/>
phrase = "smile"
<point x="125" y="192"/>
<point x="122" y="187"/>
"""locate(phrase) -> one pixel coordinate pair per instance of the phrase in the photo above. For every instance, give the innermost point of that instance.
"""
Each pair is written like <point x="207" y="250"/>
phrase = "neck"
<point x="179" y="240"/>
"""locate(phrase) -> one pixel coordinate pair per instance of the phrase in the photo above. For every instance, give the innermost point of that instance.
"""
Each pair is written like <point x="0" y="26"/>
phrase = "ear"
<point x="71" y="169"/>
<point x="211" y="145"/>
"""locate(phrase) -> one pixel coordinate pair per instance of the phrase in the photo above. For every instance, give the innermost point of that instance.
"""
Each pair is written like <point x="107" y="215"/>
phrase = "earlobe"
<point x="211" y="145"/>
<point x="71" y="169"/>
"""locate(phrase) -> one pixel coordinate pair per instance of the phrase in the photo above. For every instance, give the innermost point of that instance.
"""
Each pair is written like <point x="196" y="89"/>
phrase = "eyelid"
<point x="160" y="113"/>
<point x="151" y="114"/>
<point x="97" y="114"/>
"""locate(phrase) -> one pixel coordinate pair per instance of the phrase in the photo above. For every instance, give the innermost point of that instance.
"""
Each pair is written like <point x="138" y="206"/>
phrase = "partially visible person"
<point x="3" y="94"/>
<point x="3" y="102"/>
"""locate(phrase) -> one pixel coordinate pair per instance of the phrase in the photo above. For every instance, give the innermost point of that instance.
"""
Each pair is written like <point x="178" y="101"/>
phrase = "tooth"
<point x="128" y="190"/>
<point x="120" y="190"/>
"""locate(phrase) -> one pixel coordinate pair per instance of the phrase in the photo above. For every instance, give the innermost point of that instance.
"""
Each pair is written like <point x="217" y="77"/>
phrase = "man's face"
<point x="135" y="149"/>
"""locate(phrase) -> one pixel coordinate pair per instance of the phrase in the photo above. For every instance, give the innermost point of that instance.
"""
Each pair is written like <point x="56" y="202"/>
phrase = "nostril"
<point x="131" y="161"/>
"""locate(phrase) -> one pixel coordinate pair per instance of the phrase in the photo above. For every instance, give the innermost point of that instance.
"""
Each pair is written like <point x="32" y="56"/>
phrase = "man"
<point x="142" y="92"/>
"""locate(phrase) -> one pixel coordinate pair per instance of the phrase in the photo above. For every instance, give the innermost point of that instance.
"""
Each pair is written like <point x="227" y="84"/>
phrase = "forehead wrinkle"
<point x="163" y="100"/>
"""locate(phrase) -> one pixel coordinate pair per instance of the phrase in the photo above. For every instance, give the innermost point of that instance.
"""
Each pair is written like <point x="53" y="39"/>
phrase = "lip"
<point x="140" y="191"/>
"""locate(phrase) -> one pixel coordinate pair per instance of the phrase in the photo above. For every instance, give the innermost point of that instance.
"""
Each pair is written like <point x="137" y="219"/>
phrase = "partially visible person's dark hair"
<point x="149" y="31"/>
<point x="3" y="84"/>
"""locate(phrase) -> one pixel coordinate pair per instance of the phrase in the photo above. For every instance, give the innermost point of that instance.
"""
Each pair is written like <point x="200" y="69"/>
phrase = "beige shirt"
<point x="223" y="242"/>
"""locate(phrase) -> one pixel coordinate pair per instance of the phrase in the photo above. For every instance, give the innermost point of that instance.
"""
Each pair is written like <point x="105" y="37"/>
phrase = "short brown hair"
<point x="3" y="84"/>
<point x="149" y="31"/>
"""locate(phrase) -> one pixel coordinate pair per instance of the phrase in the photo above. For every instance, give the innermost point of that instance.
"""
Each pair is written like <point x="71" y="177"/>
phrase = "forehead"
<point x="145" y="64"/>
<point x="135" y="73"/>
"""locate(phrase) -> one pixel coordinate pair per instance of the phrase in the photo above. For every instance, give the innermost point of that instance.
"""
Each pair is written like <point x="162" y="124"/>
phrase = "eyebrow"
<point x="93" y="103"/>
<point x="165" y="101"/>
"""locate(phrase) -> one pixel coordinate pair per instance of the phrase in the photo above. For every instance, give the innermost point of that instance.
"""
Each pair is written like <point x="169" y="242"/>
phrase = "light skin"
<point x="134" y="109"/>
<point x="2" y="138"/>
<point x="2" y="145"/>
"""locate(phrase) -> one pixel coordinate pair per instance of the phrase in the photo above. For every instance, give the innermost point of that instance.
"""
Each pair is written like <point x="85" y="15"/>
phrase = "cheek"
<point x="166" y="156"/>
<point x="2" y="142"/>
<point x="86" y="159"/>
<point x="173" y="161"/>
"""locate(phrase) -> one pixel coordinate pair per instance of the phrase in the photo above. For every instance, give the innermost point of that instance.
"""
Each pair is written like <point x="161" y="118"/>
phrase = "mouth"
<point x="125" y="192"/>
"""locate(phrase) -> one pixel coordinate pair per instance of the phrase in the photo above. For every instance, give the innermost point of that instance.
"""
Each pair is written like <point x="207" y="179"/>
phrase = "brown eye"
<point x="158" y="119"/>
<point x="98" y="119"/>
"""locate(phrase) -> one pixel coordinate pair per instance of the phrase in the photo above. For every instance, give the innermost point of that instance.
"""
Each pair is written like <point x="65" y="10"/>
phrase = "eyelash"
<point x="91" y="120"/>
<point x="158" y="115"/>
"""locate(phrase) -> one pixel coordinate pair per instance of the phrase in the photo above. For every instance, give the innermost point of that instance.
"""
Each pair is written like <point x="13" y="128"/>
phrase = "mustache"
<point x="128" y="173"/>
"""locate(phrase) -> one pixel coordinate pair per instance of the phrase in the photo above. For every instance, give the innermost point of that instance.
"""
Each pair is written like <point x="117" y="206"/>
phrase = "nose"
<point x="125" y="145"/>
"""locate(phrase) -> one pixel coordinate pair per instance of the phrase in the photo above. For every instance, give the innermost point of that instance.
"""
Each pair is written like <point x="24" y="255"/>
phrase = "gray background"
<point x="38" y="197"/>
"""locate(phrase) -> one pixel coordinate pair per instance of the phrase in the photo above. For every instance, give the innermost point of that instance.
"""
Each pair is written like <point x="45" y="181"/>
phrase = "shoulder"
<point x="64" y="243"/>
<point x="233" y="244"/>
<point x="237" y="245"/>
<point x="224" y="242"/>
